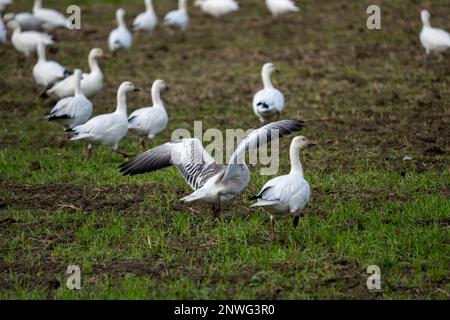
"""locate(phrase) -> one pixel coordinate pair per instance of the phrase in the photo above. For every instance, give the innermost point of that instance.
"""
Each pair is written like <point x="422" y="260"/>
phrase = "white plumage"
<point x="72" y="111"/>
<point x="91" y="84"/>
<point x="26" y="20"/>
<point x="150" y="121"/>
<point x="107" y="129"/>
<point x="279" y="7"/>
<point x="3" y="34"/>
<point x="47" y="72"/>
<point x="217" y="8"/>
<point x="120" y="38"/>
<point x="268" y="101"/>
<point x="433" y="39"/>
<point x="52" y="18"/>
<point x="290" y="193"/>
<point x="27" y="41"/>
<point x="178" y="18"/>
<point x="212" y="182"/>
<point x="146" y="21"/>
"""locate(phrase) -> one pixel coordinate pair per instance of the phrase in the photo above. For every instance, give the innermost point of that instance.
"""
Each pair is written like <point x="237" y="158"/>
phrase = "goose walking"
<point x="147" y="20"/>
<point x="91" y="84"/>
<point x="47" y="72"/>
<point x="268" y="101"/>
<point x="150" y="121"/>
<point x="433" y="39"/>
<point x="212" y="183"/>
<point x="217" y="8"/>
<point x="72" y="111"/>
<point x="178" y="18"/>
<point x="26" y="20"/>
<point x="120" y="38"/>
<point x="52" y="18"/>
<point x="107" y="129"/>
<point x="287" y="194"/>
<point x="27" y="41"/>
<point x="279" y="7"/>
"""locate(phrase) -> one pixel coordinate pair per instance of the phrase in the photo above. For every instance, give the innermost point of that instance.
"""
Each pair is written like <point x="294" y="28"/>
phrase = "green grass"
<point x="369" y="98"/>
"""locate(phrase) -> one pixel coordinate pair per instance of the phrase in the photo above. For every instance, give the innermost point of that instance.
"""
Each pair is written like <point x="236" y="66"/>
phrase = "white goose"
<point x="107" y="129"/>
<point x="91" y="84"/>
<point x="287" y="194"/>
<point x="52" y="18"/>
<point x="26" y="20"/>
<point x="150" y="121"/>
<point x="178" y="18"/>
<point x="27" y="41"/>
<point x="217" y="8"/>
<point x="268" y="101"/>
<point x="433" y="39"/>
<point x="212" y="182"/>
<point x="147" y="20"/>
<point x="47" y="72"/>
<point x="3" y="34"/>
<point x="279" y="7"/>
<point x="120" y="38"/>
<point x="72" y="111"/>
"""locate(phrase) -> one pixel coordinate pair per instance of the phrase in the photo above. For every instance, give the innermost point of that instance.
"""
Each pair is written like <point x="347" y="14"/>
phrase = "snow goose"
<point x="268" y="101"/>
<point x="107" y="129"/>
<point x="212" y="183"/>
<point x="3" y="34"/>
<point x="120" y="38"/>
<point x="47" y="72"/>
<point x="150" y="121"/>
<point x="91" y="84"/>
<point x="26" y="20"/>
<point x="217" y="8"/>
<point x="52" y="18"/>
<point x="27" y="41"/>
<point x="287" y="194"/>
<point x="433" y="39"/>
<point x="279" y="7"/>
<point x="178" y="18"/>
<point x="72" y="111"/>
<point x="147" y="20"/>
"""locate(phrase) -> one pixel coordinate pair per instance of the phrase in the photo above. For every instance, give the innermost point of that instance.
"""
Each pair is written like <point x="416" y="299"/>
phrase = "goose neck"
<point x="121" y="102"/>
<point x="296" y="165"/>
<point x="266" y="79"/>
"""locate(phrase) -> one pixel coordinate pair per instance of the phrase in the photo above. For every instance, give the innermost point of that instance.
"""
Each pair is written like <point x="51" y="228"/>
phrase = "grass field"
<point x="369" y="97"/>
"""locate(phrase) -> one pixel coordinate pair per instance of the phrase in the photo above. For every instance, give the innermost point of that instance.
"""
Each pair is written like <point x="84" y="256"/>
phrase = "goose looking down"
<point x="433" y="39"/>
<point x="107" y="129"/>
<point x="147" y="20"/>
<point x="26" y="20"/>
<point x="150" y="121"/>
<point x="47" y="72"/>
<point x="120" y="38"/>
<point x="268" y="101"/>
<point x="52" y="18"/>
<point x="217" y="8"/>
<point x="72" y="111"/>
<point x="212" y="183"/>
<point x="91" y="84"/>
<point x="287" y="194"/>
<point x="178" y="18"/>
<point x="3" y="35"/>
<point x="27" y="41"/>
<point x="279" y="7"/>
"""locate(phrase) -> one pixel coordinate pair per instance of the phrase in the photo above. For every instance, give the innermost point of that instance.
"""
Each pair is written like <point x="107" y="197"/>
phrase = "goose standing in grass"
<point x="27" y="41"/>
<point x="91" y="84"/>
<point x="287" y="194"/>
<point x="120" y="38"/>
<point x="178" y="18"/>
<point x="147" y="20"/>
<point x="72" y="111"/>
<point x="268" y="101"/>
<point x="433" y="39"/>
<point x="52" y="18"/>
<point x="279" y="7"/>
<point x="150" y="121"/>
<point x="217" y="8"/>
<point x="107" y="129"/>
<point x="3" y="34"/>
<point x="212" y="183"/>
<point x="47" y="72"/>
<point x="26" y="20"/>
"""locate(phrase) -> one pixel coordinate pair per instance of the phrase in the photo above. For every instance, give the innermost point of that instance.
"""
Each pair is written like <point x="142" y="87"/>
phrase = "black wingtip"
<point x="68" y="130"/>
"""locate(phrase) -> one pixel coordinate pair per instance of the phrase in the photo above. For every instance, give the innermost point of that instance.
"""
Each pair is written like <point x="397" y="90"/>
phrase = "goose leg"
<point x="272" y="228"/>
<point x="89" y="152"/>
<point x="143" y="144"/>
<point x="122" y="153"/>
<point x="218" y="208"/>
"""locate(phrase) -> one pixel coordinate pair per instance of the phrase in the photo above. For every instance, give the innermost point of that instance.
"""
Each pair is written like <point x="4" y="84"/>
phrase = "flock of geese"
<point x="212" y="183"/>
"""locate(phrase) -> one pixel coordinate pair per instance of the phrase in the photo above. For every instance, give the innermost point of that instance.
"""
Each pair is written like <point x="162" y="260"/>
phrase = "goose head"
<point x="127" y="86"/>
<point x="159" y="85"/>
<point x="269" y="68"/>
<point x="425" y="16"/>
<point x="301" y="143"/>
<point x="97" y="53"/>
<point x="8" y="17"/>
